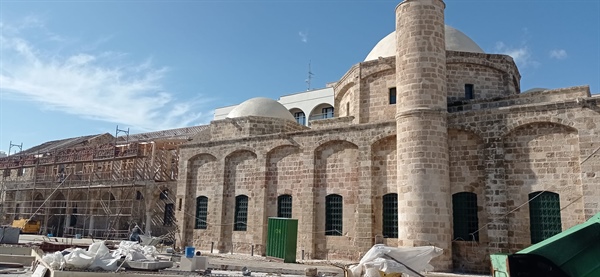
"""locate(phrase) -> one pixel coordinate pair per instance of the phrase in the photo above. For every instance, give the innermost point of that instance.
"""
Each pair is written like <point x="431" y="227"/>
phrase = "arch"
<point x="476" y="61"/>
<point x="299" y="115"/>
<point x="241" y="150"/>
<point x="521" y="122"/>
<point x="466" y="127"/>
<point x="334" y="140"/>
<point x="325" y="110"/>
<point x="200" y="156"/>
<point x="378" y="71"/>
<point x="343" y="91"/>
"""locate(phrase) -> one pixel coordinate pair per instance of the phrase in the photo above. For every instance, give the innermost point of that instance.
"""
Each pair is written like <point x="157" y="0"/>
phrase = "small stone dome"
<point x="455" y="41"/>
<point x="261" y="106"/>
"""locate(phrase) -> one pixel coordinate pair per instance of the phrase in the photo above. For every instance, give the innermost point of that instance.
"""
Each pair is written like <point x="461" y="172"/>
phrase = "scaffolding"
<point x="98" y="190"/>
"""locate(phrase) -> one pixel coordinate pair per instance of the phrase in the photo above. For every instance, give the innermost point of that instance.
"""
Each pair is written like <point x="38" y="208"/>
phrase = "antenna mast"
<point x="20" y="146"/>
<point x="310" y="74"/>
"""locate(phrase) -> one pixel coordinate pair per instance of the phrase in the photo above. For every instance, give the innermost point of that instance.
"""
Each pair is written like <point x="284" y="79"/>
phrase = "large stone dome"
<point x="261" y="106"/>
<point x="455" y="41"/>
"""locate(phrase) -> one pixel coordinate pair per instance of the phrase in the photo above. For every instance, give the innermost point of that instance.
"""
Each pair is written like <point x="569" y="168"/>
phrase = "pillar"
<point x="424" y="200"/>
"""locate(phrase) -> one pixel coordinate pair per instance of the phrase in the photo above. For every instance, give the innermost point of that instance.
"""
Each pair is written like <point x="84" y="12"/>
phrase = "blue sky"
<point x="74" y="68"/>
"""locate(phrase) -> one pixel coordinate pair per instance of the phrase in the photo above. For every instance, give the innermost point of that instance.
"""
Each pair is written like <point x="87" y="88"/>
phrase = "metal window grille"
<point x="333" y="215"/>
<point x="241" y="213"/>
<point x="169" y="217"/>
<point x="201" y="212"/>
<point x="284" y="206"/>
<point x="464" y="214"/>
<point x="390" y="215"/>
<point x="392" y="97"/>
<point x="544" y="215"/>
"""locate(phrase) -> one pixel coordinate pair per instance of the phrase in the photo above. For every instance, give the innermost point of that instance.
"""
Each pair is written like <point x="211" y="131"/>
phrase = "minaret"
<point x="424" y="200"/>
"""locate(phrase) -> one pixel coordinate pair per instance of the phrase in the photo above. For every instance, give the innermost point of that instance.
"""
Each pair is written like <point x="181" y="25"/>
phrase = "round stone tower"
<point x="424" y="198"/>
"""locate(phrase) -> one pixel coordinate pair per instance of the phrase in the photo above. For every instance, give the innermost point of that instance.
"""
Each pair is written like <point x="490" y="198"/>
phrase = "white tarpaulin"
<point x="388" y="259"/>
<point x="99" y="256"/>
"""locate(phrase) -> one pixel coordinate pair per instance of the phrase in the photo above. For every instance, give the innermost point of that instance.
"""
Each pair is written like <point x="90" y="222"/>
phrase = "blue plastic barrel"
<point x="190" y="251"/>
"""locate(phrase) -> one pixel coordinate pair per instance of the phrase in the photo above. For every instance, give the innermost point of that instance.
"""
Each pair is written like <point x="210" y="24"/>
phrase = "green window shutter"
<point x="201" y="212"/>
<point x="333" y="215"/>
<point x="241" y="213"/>
<point x="284" y="206"/>
<point x="464" y="216"/>
<point x="390" y="215"/>
<point x="544" y="215"/>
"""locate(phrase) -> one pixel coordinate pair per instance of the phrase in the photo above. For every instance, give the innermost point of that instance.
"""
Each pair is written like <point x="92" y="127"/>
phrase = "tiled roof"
<point x="57" y="144"/>
<point x="179" y="133"/>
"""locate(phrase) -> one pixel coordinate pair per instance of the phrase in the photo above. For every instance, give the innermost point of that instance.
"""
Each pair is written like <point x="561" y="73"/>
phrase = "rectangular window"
<point x="241" y="213"/>
<point x="544" y="215"/>
<point x="284" y="206"/>
<point x="390" y="215"/>
<point x="7" y="173"/>
<point x="348" y="109"/>
<point x="201" y="212"/>
<point x="327" y="112"/>
<point x="300" y="118"/>
<point x="469" y="91"/>
<point x="392" y="96"/>
<point x="169" y="216"/>
<point x="464" y="215"/>
<point x="333" y="215"/>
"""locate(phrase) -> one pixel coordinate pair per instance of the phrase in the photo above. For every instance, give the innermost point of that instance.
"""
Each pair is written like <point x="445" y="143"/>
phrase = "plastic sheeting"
<point x="98" y="256"/>
<point x="377" y="259"/>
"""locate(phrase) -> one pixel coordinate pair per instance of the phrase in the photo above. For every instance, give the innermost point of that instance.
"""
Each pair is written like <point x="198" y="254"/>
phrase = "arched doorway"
<point x="57" y="213"/>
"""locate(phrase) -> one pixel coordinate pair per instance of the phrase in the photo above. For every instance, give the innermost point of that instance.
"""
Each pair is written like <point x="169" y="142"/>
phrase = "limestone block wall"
<point x="487" y="82"/>
<point x="498" y="71"/>
<point x="308" y="166"/>
<point x="375" y="105"/>
<point x="467" y="174"/>
<point x="383" y="172"/>
<point x="526" y="148"/>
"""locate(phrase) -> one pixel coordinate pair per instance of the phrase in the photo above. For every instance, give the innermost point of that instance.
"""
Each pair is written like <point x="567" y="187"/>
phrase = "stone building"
<point x="432" y="143"/>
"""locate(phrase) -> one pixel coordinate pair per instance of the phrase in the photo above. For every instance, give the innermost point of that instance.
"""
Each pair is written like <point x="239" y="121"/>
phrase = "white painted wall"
<point x="306" y="101"/>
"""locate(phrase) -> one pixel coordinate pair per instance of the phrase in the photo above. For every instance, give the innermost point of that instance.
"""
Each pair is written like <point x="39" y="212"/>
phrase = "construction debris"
<point x="389" y="260"/>
<point x="99" y="257"/>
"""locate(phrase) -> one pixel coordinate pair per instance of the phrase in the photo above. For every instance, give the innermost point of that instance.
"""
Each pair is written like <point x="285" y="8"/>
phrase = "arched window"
<point x="164" y="195"/>
<point x="390" y="215"/>
<point x="544" y="215"/>
<point x="333" y="215"/>
<point x="464" y="215"/>
<point x="201" y="212"/>
<point x="139" y="195"/>
<point x="284" y="206"/>
<point x="241" y="213"/>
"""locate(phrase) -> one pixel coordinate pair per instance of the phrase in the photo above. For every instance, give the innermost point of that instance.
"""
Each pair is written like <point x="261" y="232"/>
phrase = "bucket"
<point x="78" y="236"/>
<point x="190" y="251"/>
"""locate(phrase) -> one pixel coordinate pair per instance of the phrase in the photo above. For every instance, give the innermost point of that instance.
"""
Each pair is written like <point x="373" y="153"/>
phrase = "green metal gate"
<point x="282" y="236"/>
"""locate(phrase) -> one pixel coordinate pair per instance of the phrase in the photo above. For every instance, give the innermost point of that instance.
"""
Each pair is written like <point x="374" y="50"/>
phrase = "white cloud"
<point x="303" y="36"/>
<point x="98" y="86"/>
<point x="559" y="54"/>
<point x="521" y="55"/>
